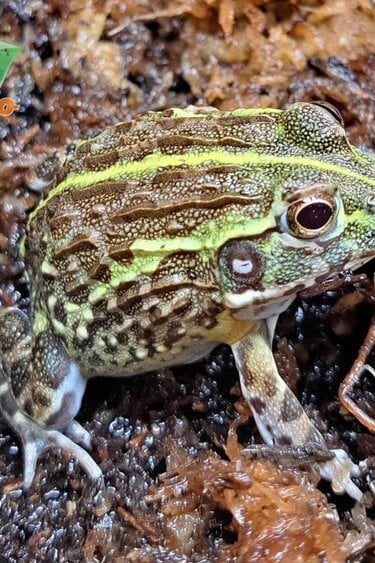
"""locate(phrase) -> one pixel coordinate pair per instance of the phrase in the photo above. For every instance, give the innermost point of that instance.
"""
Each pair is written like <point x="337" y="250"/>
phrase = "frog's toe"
<point x="37" y="439"/>
<point x="78" y="434"/>
<point x="32" y="448"/>
<point x="340" y="470"/>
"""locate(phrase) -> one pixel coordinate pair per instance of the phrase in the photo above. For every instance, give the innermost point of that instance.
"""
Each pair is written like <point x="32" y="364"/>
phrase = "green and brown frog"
<point x="161" y="238"/>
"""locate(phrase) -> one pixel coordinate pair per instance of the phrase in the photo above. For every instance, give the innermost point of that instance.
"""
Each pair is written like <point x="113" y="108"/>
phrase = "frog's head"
<point x="320" y="192"/>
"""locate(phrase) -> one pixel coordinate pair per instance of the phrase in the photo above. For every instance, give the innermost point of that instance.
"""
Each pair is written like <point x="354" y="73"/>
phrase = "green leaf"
<point x="8" y="53"/>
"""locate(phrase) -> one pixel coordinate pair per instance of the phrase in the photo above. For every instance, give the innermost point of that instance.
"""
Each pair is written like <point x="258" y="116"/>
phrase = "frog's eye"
<point x="310" y="217"/>
<point x="332" y="110"/>
<point x="241" y="262"/>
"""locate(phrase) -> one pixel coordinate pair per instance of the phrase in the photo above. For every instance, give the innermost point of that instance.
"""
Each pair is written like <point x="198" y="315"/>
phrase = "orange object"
<point x="7" y="106"/>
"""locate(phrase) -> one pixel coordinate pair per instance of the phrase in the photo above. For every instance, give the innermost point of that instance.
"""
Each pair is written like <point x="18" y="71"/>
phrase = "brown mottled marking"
<point x="18" y="369"/>
<point x="57" y="219"/>
<point x="76" y="244"/>
<point x="49" y="272"/>
<point x="159" y="314"/>
<point x="39" y="398"/>
<point x="212" y="121"/>
<point x="123" y="128"/>
<point x="288" y="409"/>
<point x="130" y="214"/>
<point x="102" y="160"/>
<point x="100" y="272"/>
<point x="93" y="194"/>
<point x="183" y="141"/>
<point x="167" y="113"/>
<point x="257" y="404"/>
<point x="59" y="312"/>
<point x="174" y="227"/>
<point x="76" y="287"/>
<point x="120" y="253"/>
<point x="183" y="259"/>
<point x="98" y="210"/>
<point x="136" y="295"/>
<point x="79" y="343"/>
<point x="182" y="304"/>
<point x="29" y="407"/>
<point x="83" y="149"/>
<point x="175" y="175"/>
<point x="284" y="440"/>
<point x="173" y="334"/>
<point x="124" y="286"/>
<point x="270" y="387"/>
<point x="209" y="323"/>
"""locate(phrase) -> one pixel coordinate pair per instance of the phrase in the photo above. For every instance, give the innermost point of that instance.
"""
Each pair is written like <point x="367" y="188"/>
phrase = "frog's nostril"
<point x="370" y="203"/>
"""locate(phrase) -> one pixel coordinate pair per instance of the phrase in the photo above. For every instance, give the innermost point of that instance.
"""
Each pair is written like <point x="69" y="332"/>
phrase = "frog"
<point x="162" y="237"/>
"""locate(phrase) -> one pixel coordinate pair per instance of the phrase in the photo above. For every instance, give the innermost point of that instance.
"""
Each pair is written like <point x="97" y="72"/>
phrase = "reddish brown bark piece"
<point x="142" y="527"/>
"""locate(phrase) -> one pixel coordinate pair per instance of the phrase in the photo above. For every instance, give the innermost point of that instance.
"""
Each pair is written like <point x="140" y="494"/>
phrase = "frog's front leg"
<point x="278" y="414"/>
<point x="40" y="393"/>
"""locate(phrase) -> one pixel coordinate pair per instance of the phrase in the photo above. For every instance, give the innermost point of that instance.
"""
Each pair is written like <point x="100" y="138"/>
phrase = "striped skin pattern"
<point x="162" y="237"/>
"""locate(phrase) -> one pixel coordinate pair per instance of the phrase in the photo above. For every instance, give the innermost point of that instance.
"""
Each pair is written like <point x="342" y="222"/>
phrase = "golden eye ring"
<point x="310" y="217"/>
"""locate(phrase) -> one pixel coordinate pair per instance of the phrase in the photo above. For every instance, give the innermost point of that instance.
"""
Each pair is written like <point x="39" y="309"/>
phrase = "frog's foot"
<point x="36" y="439"/>
<point x="334" y="465"/>
<point x="339" y="471"/>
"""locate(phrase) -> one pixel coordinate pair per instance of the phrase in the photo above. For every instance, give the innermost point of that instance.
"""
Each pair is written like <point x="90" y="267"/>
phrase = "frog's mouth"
<point x="262" y="304"/>
<point x="357" y="263"/>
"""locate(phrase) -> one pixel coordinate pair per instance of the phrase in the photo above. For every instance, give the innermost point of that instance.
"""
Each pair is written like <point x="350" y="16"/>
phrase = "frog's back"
<point x="123" y="246"/>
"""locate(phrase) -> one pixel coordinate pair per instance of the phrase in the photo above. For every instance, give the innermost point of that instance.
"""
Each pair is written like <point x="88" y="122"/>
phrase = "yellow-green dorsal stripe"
<point x="205" y="239"/>
<point x="152" y="162"/>
<point x="193" y="112"/>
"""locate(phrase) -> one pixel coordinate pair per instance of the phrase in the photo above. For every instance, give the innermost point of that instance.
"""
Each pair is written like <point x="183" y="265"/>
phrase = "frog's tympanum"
<point x="162" y="237"/>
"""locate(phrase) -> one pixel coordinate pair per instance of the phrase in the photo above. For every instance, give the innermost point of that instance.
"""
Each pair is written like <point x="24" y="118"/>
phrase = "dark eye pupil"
<point x="314" y="216"/>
